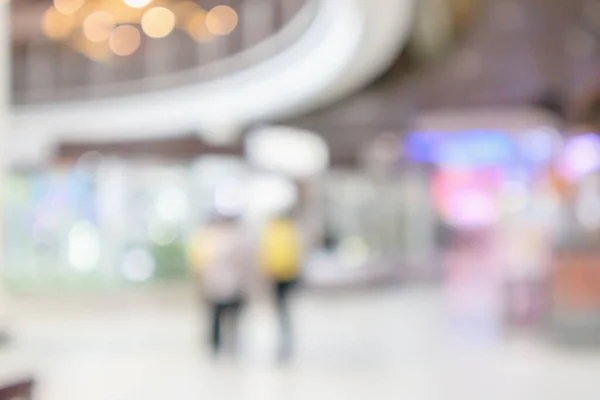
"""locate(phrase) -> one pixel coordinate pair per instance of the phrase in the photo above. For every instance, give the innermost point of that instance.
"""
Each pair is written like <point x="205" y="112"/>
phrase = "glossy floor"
<point x="392" y="344"/>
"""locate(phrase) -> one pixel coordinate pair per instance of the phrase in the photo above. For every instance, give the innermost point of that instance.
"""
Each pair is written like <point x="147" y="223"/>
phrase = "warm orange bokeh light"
<point x="125" y="40"/>
<point x="98" y="26"/>
<point x="158" y="22"/>
<point x="221" y="20"/>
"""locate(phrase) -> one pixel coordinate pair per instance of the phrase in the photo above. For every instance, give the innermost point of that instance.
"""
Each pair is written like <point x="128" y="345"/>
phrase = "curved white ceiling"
<point x="349" y="44"/>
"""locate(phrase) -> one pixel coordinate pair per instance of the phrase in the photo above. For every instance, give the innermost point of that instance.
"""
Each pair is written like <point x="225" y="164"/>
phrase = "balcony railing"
<point x="45" y="71"/>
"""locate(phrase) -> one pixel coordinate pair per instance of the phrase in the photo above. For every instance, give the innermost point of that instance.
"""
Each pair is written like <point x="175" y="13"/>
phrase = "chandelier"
<point x="104" y="29"/>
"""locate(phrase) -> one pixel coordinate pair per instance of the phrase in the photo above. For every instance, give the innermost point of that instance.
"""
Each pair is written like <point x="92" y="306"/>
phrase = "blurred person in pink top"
<point x="218" y="255"/>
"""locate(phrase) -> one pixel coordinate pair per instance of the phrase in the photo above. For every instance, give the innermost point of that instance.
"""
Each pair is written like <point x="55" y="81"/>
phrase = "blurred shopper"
<point x="280" y="258"/>
<point x="218" y="256"/>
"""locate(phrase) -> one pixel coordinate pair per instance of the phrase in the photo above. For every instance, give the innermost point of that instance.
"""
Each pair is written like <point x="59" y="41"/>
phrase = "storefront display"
<point x="372" y="225"/>
<point x="106" y="224"/>
<point x="575" y="281"/>
<point x="488" y="184"/>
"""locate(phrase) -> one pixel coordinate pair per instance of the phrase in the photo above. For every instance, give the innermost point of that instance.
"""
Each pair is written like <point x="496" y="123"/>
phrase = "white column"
<point x="5" y="54"/>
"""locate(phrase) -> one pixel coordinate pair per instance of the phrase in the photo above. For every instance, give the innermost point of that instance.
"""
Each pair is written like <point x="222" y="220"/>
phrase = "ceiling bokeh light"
<point x="125" y="40"/>
<point x="68" y="7"/>
<point x="196" y="27"/>
<point x="137" y="3"/>
<point x="57" y="26"/>
<point x="98" y="25"/>
<point x="101" y="29"/>
<point x="221" y="20"/>
<point x="158" y="22"/>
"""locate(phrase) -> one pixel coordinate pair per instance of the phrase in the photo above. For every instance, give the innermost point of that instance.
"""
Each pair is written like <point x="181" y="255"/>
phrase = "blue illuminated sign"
<point x="465" y="148"/>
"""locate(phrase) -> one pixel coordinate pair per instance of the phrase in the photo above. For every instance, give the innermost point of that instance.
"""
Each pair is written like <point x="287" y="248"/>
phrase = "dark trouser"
<point x="3" y="337"/>
<point x="225" y="314"/>
<point x="282" y="294"/>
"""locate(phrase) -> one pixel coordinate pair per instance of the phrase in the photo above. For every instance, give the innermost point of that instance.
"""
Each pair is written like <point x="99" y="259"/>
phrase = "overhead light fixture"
<point x="68" y="7"/>
<point x="98" y="25"/>
<point x="196" y="27"/>
<point x="94" y="26"/>
<point x="158" y="22"/>
<point x="287" y="150"/>
<point x="137" y="3"/>
<point x="57" y="26"/>
<point x="221" y="20"/>
<point x="125" y="40"/>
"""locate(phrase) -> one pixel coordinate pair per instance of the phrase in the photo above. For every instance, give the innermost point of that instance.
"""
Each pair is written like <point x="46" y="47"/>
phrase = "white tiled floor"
<point x="394" y="344"/>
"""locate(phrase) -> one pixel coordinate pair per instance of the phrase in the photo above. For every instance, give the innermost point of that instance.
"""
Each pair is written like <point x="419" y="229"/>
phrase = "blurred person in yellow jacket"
<point x="280" y="258"/>
<point x="218" y="257"/>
